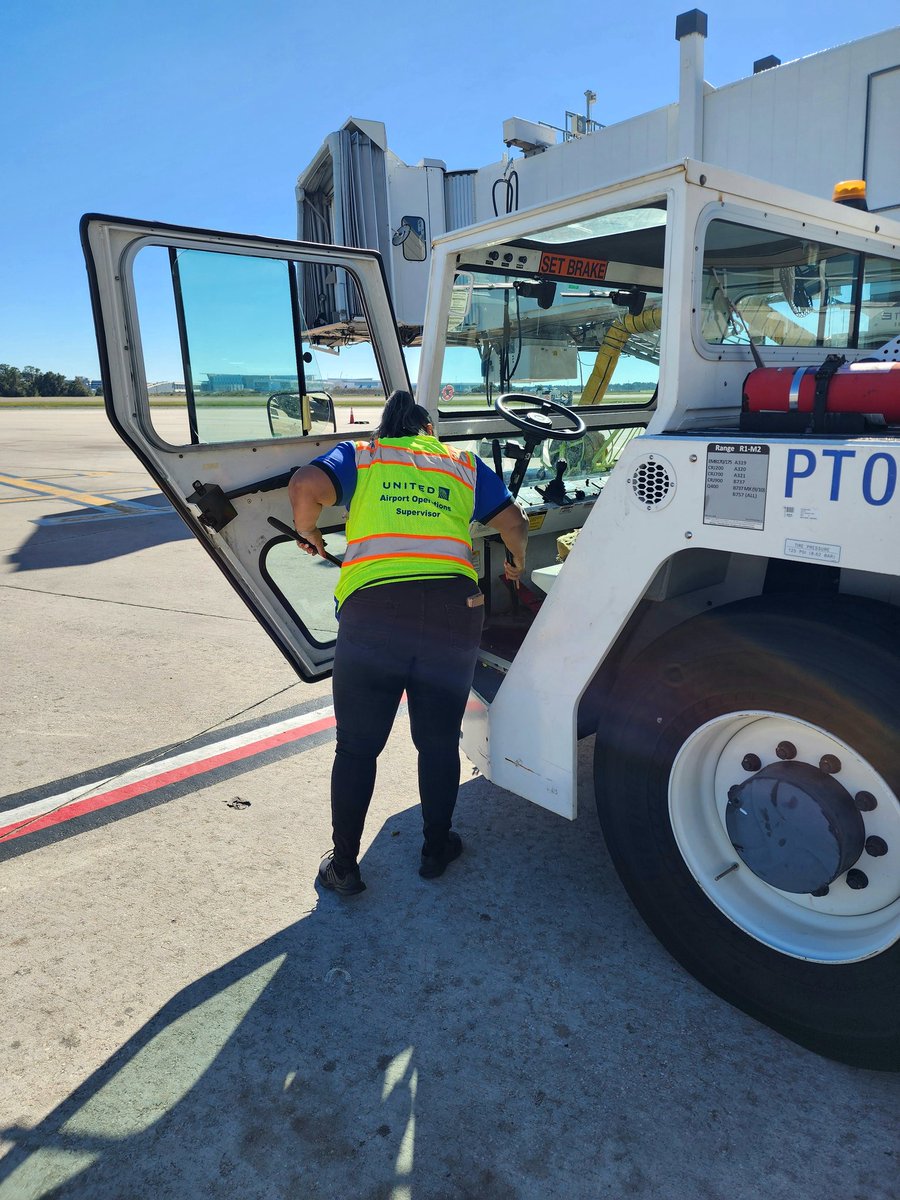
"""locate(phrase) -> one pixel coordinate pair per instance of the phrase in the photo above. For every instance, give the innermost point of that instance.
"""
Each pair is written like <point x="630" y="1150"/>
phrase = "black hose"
<point x="510" y="183"/>
<point x="519" y="337"/>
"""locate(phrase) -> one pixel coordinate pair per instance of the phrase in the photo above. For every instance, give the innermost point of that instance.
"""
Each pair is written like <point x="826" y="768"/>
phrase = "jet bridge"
<point x="358" y="193"/>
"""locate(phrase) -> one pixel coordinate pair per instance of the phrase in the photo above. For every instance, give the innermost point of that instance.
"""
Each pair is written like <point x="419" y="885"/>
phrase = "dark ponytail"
<point x="402" y="417"/>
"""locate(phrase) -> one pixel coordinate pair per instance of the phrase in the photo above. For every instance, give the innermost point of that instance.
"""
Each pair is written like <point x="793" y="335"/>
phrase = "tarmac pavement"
<point x="186" y="1016"/>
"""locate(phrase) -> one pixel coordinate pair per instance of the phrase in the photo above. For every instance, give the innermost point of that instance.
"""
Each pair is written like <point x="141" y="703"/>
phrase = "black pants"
<point x="419" y="636"/>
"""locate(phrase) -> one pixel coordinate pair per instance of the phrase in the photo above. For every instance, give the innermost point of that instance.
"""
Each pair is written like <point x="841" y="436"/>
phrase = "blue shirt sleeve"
<point x="339" y="464"/>
<point x="491" y="493"/>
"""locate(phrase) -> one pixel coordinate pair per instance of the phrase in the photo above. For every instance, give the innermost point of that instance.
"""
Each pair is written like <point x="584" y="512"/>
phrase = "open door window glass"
<point x="254" y="340"/>
<point x="307" y="584"/>
<point x="228" y="363"/>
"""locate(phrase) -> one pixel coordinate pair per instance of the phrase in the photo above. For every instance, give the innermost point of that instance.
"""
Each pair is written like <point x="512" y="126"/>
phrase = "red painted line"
<point x="78" y="808"/>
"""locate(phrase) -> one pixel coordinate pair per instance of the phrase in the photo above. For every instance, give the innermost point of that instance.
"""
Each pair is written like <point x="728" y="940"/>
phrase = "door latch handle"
<point x="216" y="510"/>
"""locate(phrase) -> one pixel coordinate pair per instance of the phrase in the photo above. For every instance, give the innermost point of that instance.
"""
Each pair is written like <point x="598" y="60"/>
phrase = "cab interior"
<point x="552" y="357"/>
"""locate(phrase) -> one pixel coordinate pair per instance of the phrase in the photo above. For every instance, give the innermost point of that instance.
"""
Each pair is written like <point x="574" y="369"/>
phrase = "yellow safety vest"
<point x="410" y="513"/>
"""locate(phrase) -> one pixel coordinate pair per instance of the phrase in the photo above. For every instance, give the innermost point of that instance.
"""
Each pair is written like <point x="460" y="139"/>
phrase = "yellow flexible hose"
<point x="611" y="347"/>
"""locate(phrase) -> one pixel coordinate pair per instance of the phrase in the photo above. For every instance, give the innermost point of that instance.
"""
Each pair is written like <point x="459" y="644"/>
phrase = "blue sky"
<point x="203" y="113"/>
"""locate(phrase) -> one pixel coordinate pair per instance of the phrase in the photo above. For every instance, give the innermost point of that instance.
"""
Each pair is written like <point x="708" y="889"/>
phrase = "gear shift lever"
<point x="555" y="491"/>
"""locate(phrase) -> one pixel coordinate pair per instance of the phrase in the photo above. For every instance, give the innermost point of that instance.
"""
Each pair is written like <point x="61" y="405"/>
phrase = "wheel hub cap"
<point x="794" y="826"/>
<point x="758" y="887"/>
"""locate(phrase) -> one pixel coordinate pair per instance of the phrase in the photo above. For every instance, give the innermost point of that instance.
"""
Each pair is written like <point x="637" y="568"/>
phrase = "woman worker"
<point x="410" y="614"/>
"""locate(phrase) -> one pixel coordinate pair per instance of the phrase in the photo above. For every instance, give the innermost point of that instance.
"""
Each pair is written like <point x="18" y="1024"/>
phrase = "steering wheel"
<point x="537" y="425"/>
<point x="538" y="421"/>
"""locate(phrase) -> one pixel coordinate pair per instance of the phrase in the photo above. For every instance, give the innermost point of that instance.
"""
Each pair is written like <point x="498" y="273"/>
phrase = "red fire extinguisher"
<point x="866" y="388"/>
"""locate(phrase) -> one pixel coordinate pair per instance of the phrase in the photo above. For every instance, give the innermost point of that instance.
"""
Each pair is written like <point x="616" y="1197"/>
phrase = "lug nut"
<point x="822" y="891"/>
<point x="876" y="846"/>
<point x="830" y="764"/>
<point x="786" y="750"/>
<point x="857" y="879"/>
<point x="865" y="801"/>
<point x="734" y="795"/>
<point x="751" y="762"/>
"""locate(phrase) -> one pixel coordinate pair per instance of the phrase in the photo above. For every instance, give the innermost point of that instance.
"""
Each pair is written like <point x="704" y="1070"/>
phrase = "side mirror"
<point x="411" y="235"/>
<point x="292" y="415"/>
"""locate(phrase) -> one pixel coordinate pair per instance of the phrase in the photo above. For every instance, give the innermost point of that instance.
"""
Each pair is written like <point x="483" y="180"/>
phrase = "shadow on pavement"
<point x="509" y="1032"/>
<point x="90" y="535"/>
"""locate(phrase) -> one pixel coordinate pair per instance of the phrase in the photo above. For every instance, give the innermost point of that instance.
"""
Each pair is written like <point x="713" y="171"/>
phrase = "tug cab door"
<point x="259" y="331"/>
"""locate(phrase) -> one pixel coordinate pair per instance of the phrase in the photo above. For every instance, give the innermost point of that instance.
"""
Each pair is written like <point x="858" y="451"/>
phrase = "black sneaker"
<point x="348" y="884"/>
<point x="436" y="864"/>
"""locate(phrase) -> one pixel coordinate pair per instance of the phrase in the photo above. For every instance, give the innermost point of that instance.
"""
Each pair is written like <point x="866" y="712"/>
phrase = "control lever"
<point x="498" y="458"/>
<point x="512" y="584"/>
<point x="292" y="533"/>
<point x="521" y="455"/>
<point x="555" y="491"/>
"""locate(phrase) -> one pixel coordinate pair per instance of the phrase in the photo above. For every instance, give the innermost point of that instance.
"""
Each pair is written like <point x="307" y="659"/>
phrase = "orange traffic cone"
<point x="352" y="418"/>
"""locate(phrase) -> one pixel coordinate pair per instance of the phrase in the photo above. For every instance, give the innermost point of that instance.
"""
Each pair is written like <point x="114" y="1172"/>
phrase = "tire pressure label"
<point x="820" y="552"/>
<point x="737" y="474"/>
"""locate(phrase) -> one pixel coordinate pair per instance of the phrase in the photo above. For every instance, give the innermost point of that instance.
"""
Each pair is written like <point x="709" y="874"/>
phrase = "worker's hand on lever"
<point x="309" y="491"/>
<point x="514" y="567"/>
<point x="512" y="525"/>
<point x="312" y="542"/>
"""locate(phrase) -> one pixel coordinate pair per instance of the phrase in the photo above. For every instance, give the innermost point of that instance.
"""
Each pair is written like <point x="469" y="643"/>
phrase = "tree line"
<point x="30" y="381"/>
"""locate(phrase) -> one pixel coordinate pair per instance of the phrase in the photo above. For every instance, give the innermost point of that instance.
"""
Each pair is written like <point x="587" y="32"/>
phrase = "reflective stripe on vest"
<point x="446" y="462"/>
<point x="410" y="513"/>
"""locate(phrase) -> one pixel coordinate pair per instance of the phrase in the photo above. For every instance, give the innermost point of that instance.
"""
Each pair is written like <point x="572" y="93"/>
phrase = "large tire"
<point x="828" y="672"/>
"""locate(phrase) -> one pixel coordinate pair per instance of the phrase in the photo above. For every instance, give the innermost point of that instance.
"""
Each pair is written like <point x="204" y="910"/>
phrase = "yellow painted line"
<point x="63" y="493"/>
<point x="120" y="491"/>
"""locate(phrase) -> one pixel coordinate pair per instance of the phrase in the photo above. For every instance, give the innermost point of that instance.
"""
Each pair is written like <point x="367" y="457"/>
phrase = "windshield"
<point x="572" y="313"/>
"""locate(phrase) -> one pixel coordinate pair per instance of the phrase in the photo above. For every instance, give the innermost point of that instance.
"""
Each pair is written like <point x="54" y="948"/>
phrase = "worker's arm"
<point x="512" y="525"/>
<point x="309" y="491"/>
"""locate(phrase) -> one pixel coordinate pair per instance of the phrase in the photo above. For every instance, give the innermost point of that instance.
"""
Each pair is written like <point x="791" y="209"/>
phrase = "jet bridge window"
<point x="239" y="347"/>
<point x="778" y="288"/>
<point x="573" y="313"/>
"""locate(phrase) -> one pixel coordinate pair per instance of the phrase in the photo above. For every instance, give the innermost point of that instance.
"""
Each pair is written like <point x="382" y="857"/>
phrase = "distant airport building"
<point x="250" y="383"/>
<point x="804" y="124"/>
<point x="219" y="384"/>
<point x="352" y="385"/>
<point x="160" y="389"/>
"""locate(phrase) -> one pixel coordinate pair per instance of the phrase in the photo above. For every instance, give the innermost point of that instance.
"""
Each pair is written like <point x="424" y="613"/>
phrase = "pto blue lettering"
<point x="890" y="483"/>
<point x="793" y="472"/>
<point x="838" y="456"/>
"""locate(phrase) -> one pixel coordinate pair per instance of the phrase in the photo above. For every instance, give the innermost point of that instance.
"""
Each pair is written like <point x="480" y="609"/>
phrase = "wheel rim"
<point x="845" y="924"/>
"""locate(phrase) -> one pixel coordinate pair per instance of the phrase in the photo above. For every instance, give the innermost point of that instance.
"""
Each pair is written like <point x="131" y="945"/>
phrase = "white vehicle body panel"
<point x="526" y="740"/>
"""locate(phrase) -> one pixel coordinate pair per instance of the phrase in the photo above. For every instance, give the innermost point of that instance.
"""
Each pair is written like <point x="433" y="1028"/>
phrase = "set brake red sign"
<point x="571" y="266"/>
